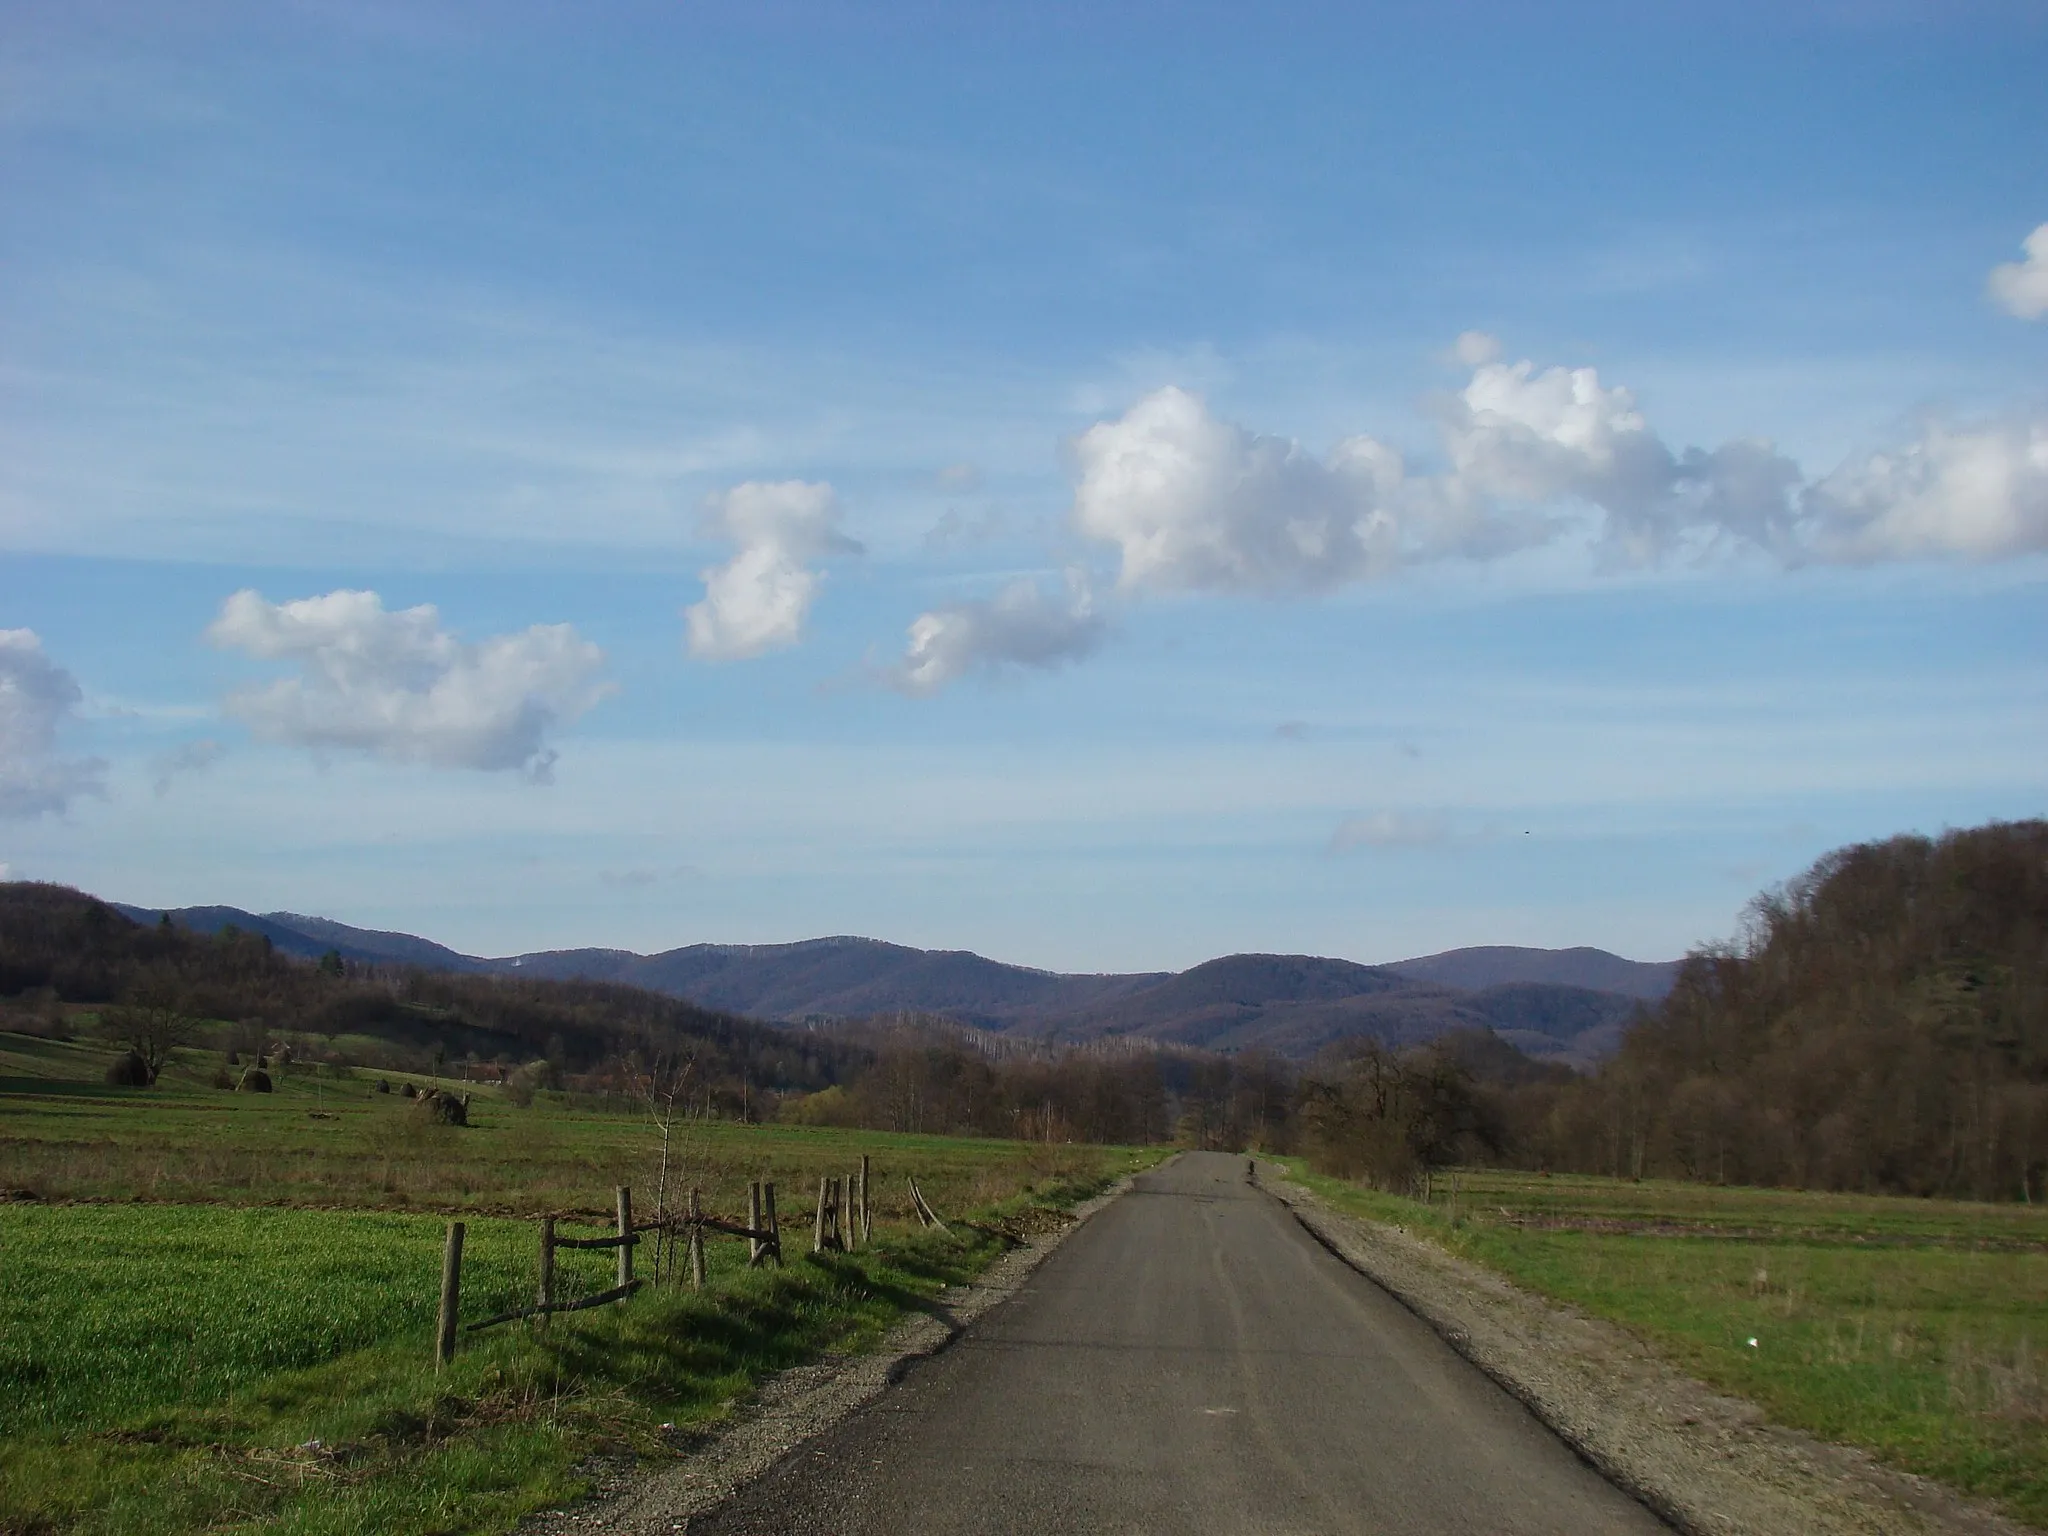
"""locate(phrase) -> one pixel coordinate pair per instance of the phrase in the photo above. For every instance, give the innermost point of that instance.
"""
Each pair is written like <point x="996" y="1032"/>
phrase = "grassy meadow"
<point x="221" y="1304"/>
<point x="1917" y="1329"/>
<point x="331" y="1140"/>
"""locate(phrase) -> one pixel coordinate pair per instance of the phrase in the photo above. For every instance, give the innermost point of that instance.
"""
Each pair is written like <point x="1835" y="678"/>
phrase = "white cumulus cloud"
<point x="1974" y="492"/>
<point x="1023" y="625"/>
<point x="1192" y="503"/>
<point x="37" y="697"/>
<point x="1197" y="504"/>
<point x="758" y="600"/>
<point x="2021" y="287"/>
<point x="1518" y="435"/>
<point x="398" y="686"/>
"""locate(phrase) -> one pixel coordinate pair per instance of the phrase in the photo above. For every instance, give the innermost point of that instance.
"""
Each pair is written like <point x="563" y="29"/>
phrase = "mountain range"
<point x="1568" y="1005"/>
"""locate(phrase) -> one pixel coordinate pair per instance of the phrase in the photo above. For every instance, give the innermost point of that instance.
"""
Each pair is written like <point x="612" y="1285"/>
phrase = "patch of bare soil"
<point x="1033" y="1221"/>
<point x="1708" y="1463"/>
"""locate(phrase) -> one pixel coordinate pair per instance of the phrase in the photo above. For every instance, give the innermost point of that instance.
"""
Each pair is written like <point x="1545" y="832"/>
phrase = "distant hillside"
<point x="311" y="937"/>
<point x="369" y="943"/>
<point x="1291" y="1005"/>
<point x="1294" y="1005"/>
<point x="256" y="980"/>
<point x="1493" y="965"/>
<point x="840" y="978"/>
<point x="1562" y="1005"/>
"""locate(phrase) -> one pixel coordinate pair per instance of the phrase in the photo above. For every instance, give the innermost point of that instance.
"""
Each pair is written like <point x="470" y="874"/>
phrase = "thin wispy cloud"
<point x="193" y="757"/>
<point x="1383" y="830"/>
<point x="1024" y="625"/>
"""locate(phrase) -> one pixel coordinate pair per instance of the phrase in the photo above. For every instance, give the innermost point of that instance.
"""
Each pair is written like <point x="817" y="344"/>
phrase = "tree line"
<point x="1880" y="1024"/>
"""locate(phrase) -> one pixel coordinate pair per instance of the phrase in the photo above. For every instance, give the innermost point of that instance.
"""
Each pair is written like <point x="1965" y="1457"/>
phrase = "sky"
<point x="1100" y="485"/>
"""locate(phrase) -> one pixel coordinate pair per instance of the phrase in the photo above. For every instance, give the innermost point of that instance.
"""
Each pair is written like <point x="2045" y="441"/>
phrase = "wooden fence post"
<point x="755" y="1247"/>
<point x="624" y="1195"/>
<point x="696" y="1245"/>
<point x="546" y="1298"/>
<point x="818" y="1228"/>
<point x="774" y="1226"/>
<point x="451" y="1296"/>
<point x="867" y="1210"/>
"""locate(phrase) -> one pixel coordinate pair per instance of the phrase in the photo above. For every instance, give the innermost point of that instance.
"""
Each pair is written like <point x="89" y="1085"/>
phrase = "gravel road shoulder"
<point x="1710" y="1464"/>
<point x="795" y="1405"/>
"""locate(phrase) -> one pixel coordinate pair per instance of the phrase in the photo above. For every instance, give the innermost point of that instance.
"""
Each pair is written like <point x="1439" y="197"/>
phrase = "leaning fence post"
<point x="867" y="1222"/>
<point x="696" y="1245"/>
<point x="818" y="1228"/>
<point x="451" y="1296"/>
<point x="624" y="1195"/>
<point x="546" y="1298"/>
<point x="774" y="1249"/>
<point x="755" y="1247"/>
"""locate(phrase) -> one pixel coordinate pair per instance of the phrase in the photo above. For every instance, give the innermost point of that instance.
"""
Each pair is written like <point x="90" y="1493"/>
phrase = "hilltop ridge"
<point x="1562" y="1004"/>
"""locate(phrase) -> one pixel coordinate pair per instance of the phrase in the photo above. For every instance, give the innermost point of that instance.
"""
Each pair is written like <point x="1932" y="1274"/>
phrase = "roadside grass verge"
<point x="1917" y="1329"/>
<point x="185" y="1388"/>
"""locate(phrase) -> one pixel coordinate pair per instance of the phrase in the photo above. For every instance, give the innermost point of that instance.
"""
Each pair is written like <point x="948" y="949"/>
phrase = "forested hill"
<point x="60" y="943"/>
<point x="1883" y="1026"/>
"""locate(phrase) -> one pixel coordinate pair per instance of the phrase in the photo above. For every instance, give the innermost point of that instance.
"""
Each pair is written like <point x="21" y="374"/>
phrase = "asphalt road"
<point x="1190" y="1361"/>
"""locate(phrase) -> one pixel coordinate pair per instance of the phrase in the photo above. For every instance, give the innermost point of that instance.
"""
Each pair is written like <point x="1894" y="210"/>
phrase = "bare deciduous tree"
<point x="152" y="1019"/>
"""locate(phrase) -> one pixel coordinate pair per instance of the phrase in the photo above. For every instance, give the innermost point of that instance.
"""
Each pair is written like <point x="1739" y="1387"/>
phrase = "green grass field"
<point x="221" y="1304"/>
<point x="1915" y="1328"/>
<point x="333" y="1141"/>
<point x="117" y="1310"/>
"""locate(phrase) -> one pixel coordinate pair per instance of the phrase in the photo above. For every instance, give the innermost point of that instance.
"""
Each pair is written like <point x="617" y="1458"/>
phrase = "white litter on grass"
<point x="1752" y="1343"/>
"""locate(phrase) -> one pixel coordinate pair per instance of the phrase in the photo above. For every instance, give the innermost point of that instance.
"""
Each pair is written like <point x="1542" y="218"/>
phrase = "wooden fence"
<point x="844" y="1221"/>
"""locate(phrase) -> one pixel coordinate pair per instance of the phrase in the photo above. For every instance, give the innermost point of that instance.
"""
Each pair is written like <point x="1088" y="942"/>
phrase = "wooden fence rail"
<point x="844" y="1221"/>
<point x="548" y="1309"/>
<point x="926" y="1216"/>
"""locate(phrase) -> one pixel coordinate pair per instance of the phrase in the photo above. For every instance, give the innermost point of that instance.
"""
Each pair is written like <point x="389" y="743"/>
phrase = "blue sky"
<point x="1103" y="487"/>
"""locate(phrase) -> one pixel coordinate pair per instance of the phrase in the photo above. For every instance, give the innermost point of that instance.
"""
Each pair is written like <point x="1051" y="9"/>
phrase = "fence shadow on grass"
<point x="692" y="1348"/>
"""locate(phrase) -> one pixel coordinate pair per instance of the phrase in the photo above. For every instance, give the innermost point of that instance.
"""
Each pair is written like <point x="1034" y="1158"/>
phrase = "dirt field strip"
<point x="799" y="1404"/>
<point x="1708" y="1463"/>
